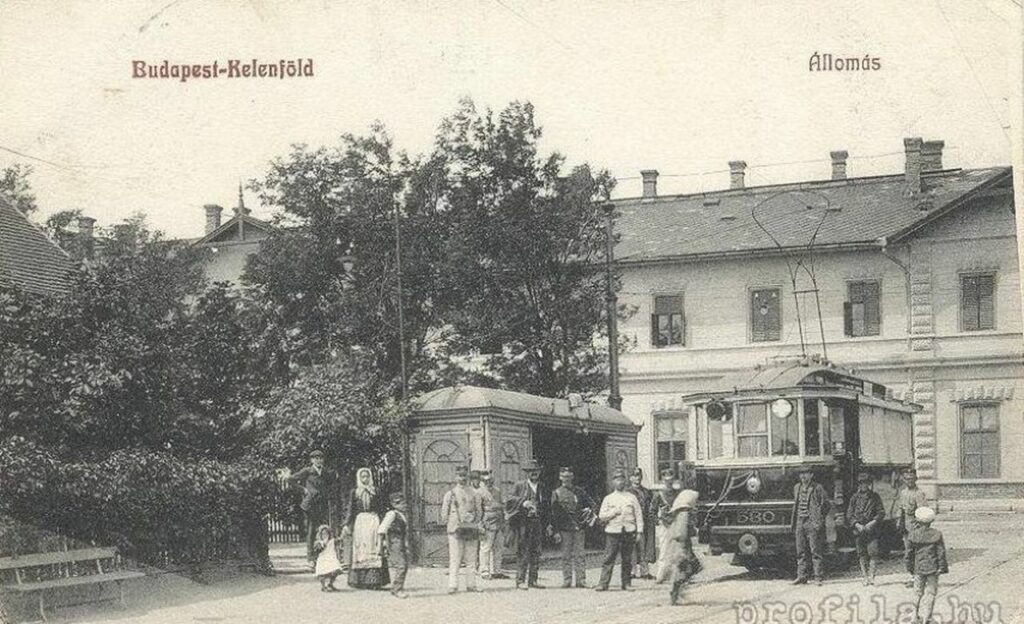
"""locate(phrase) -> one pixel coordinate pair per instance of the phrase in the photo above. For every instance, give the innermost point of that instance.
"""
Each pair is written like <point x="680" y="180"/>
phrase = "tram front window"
<point x="752" y="430"/>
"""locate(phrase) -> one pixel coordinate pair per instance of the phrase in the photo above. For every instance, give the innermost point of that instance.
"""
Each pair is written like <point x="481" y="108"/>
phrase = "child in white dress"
<point x="328" y="566"/>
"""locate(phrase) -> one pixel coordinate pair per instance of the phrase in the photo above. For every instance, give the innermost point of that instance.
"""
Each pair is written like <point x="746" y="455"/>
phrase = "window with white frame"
<point x="979" y="441"/>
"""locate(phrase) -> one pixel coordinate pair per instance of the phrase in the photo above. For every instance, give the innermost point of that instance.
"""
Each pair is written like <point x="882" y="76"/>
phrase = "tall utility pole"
<point x="614" y="398"/>
<point x="405" y="438"/>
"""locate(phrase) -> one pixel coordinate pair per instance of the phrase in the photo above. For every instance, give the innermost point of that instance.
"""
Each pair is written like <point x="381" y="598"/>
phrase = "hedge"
<point x="156" y="508"/>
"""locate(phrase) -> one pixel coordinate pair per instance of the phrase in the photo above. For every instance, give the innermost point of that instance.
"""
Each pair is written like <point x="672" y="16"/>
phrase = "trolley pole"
<point x="614" y="398"/>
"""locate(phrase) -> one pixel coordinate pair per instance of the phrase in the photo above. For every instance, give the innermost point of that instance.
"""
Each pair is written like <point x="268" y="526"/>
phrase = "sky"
<point x="682" y="87"/>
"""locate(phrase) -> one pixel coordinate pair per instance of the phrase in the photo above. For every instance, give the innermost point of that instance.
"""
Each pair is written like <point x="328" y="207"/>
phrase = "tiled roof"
<point x="28" y="258"/>
<point x="860" y="211"/>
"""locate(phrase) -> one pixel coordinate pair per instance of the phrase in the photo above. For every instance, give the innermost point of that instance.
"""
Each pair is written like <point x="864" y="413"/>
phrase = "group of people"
<point x="924" y="547"/>
<point x="478" y="518"/>
<point x="480" y="522"/>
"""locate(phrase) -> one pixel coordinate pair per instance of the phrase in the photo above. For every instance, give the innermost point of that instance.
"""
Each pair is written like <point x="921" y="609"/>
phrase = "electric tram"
<point x="755" y="430"/>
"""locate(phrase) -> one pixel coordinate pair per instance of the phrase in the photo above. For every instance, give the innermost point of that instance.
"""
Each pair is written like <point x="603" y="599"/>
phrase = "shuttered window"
<point x="862" y="313"/>
<point x="977" y="302"/>
<point x="979" y="441"/>
<point x="765" y="315"/>
<point x="667" y="321"/>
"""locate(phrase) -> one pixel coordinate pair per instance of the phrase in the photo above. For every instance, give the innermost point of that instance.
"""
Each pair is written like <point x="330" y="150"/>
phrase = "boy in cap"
<point x="492" y="542"/>
<point x="926" y="560"/>
<point x="864" y="517"/>
<point x="569" y="505"/>
<point x="394" y="543"/>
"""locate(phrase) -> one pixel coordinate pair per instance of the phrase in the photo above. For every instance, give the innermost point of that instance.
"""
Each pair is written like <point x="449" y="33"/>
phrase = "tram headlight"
<point x="753" y="485"/>
<point x="748" y="544"/>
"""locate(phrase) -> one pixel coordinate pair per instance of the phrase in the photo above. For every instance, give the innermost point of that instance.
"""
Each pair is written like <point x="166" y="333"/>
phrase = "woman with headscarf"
<point x="367" y="568"/>
<point x="681" y="563"/>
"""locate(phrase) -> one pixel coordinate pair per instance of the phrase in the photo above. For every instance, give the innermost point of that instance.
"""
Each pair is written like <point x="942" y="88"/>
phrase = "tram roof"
<point x="787" y="375"/>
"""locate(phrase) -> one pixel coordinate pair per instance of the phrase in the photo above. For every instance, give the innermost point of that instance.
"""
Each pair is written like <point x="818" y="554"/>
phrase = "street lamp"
<point x="614" y="398"/>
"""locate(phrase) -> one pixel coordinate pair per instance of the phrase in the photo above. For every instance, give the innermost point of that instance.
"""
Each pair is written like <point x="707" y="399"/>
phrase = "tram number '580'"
<point x="756" y="517"/>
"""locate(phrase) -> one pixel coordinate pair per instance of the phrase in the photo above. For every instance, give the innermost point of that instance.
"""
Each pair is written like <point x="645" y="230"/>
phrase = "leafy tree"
<point x="14" y="185"/>
<point x="524" y="262"/>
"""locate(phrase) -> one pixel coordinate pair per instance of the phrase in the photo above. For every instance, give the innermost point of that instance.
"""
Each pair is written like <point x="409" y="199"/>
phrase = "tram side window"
<point x="752" y="430"/>
<point x="786" y="435"/>
<point x="812" y="431"/>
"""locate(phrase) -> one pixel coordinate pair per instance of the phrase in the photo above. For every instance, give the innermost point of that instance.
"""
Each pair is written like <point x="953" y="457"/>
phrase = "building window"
<point x="977" y="302"/>
<point x="752" y="430"/>
<point x="979" y="441"/>
<point x="862" y="311"/>
<point x="670" y="441"/>
<point x="765" y="315"/>
<point x="667" y="321"/>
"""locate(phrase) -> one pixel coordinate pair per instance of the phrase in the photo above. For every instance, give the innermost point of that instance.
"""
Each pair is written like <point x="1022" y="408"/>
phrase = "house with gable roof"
<point x="912" y="279"/>
<point x="231" y="242"/>
<point x="29" y="260"/>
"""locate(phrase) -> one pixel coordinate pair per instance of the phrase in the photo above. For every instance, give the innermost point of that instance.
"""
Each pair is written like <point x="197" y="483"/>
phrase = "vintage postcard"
<point x="511" y="311"/>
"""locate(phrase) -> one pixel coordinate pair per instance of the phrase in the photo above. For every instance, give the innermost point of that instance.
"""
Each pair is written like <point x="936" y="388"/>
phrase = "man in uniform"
<point x="527" y="508"/>
<point x="864" y="516"/>
<point x="568" y="505"/>
<point x="492" y="544"/>
<point x="624" y="525"/>
<point x="810" y="508"/>
<point x="463" y="513"/>
<point x="319" y="487"/>
<point x="910" y="498"/>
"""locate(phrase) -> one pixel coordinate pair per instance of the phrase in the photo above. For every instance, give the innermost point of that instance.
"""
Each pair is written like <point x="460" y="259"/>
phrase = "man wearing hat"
<point x="319" y="487"/>
<point x="492" y="542"/>
<point x="864" y="516"/>
<point x="810" y="508"/>
<point x="463" y="511"/>
<point x="646" y="546"/>
<point x="569" y="509"/>
<point x="624" y="525"/>
<point x="527" y="508"/>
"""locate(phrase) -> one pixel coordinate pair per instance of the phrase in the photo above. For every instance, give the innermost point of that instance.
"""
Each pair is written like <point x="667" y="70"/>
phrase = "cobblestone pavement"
<point x="986" y="559"/>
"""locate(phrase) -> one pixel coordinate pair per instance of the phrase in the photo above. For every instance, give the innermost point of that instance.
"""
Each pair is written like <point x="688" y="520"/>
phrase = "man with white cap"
<point x="926" y="560"/>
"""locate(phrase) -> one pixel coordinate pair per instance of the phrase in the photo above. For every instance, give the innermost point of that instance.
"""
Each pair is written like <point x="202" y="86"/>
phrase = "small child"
<point x="926" y="560"/>
<point x="328" y="567"/>
<point x="394" y="543"/>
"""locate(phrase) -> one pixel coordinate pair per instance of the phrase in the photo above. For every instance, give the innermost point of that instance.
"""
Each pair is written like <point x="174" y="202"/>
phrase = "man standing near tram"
<point x="810" y="508"/>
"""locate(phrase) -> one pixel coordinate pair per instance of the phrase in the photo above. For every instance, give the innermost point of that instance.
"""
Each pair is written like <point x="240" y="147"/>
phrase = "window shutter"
<point x="969" y="302"/>
<point x="986" y="303"/>
<point x="848" y="318"/>
<point x="872" y="311"/>
<point x="655" y="335"/>
<point x="774" y="321"/>
<point x="757" y="322"/>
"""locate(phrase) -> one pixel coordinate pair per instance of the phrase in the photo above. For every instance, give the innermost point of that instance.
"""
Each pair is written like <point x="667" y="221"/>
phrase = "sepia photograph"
<point x="511" y="311"/>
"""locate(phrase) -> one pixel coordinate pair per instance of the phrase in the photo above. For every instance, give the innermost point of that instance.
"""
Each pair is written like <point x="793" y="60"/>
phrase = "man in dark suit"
<point x="527" y="510"/>
<point x="810" y="508"/>
<point x="319" y="487"/>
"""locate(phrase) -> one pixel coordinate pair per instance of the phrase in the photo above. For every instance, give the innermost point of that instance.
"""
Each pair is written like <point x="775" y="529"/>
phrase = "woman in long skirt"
<point x="367" y="568"/>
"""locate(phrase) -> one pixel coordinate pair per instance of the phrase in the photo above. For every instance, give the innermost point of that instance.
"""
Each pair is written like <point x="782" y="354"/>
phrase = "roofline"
<point x="824" y="182"/>
<point x="38" y="228"/>
<point x="746" y="253"/>
<point x="227" y="225"/>
<point x="942" y="211"/>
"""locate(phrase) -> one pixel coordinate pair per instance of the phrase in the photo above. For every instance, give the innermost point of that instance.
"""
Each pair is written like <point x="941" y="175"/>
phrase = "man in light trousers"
<point x="464" y="512"/>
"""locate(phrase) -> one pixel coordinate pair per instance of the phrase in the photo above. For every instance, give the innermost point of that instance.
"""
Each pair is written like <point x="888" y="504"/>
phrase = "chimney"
<point x="650" y="177"/>
<point x="86" y="236"/>
<point x="931" y="155"/>
<point x="736" y="173"/>
<point x="839" y="164"/>
<point x="212" y="217"/>
<point x="913" y="169"/>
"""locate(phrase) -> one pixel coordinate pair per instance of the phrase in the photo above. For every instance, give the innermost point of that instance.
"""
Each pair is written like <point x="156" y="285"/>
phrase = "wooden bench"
<point x="41" y="572"/>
